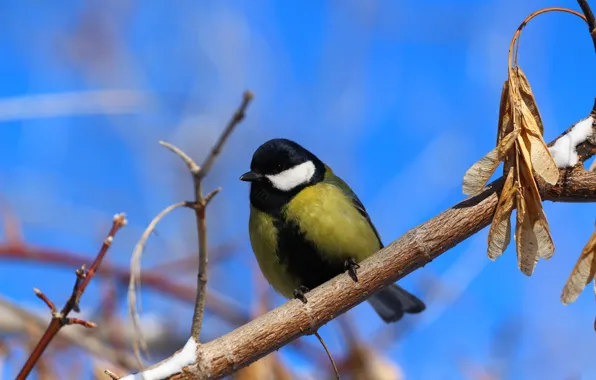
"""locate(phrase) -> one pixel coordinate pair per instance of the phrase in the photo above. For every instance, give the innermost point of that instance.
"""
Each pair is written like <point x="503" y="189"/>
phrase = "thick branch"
<point x="576" y="185"/>
<point x="415" y="249"/>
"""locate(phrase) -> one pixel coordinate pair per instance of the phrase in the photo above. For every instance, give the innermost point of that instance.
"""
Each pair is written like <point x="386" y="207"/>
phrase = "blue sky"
<point x="400" y="98"/>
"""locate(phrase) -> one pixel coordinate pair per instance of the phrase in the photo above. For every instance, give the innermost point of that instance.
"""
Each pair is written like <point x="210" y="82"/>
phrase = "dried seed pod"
<point x="582" y="274"/>
<point x="499" y="234"/>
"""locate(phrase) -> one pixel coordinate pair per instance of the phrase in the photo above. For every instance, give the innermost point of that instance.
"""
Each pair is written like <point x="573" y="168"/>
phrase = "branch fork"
<point x="60" y="318"/>
<point x="199" y="205"/>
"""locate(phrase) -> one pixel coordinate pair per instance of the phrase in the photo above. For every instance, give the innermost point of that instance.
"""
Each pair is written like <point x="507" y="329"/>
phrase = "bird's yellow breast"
<point x="263" y="239"/>
<point x="328" y="218"/>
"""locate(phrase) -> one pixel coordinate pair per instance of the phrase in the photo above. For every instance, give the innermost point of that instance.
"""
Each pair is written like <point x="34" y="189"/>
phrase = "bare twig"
<point x="589" y="18"/>
<point x="60" y="319"/>
<point x="135" y="280"/>
<point x="201" y="202"/>
<point x="192" y="165"/>
<point x="199" y="205"/>
<point x="328" y="354"/>
<point x="238" y="116"/>
<point x="236" y="119"/>
<point x="46" y="300"/>
<point x="210" y="196"/>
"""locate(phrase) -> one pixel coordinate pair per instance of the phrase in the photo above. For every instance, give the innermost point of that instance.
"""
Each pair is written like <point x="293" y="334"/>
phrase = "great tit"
<point x="307" y="226"/>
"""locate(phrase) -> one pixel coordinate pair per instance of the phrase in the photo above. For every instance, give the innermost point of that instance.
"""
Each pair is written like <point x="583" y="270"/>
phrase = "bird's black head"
<point x="279" y="169"/>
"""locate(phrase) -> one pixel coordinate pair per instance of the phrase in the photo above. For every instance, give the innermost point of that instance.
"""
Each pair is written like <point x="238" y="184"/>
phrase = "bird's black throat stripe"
<point x="301" y="258"/>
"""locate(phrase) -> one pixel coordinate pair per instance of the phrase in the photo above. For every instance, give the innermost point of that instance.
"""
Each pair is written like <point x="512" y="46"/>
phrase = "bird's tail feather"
<point x="393" y="301"/>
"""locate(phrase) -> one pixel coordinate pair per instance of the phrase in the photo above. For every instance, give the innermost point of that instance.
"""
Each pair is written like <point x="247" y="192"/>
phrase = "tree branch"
<point x="415" y="249"/>
<point x="60" y="318"/>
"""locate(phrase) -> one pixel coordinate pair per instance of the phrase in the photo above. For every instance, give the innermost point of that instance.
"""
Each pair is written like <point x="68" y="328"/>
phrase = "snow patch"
<point x="171" y="366"/>
<point x="563" y="151"/>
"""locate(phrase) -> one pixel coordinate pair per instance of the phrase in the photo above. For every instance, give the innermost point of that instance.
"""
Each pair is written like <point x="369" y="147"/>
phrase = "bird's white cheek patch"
<point x="296" y="176"/>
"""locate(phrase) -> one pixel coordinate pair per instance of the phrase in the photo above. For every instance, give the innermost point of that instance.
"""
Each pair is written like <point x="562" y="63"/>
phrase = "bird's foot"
<point x="299" y="293"/>
<point x="351" y="266"/>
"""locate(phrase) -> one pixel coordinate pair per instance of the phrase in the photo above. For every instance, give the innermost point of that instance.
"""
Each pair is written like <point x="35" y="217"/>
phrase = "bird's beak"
<point x="250" y="176"/>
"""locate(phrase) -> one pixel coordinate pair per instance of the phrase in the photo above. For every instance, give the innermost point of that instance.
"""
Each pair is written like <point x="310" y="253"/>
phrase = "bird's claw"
<point x="351" y="266"/>
<point x="299" y="293"/>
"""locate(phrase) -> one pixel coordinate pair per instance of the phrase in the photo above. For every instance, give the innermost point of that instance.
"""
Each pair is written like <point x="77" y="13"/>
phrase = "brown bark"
<point x="413" y="250"/>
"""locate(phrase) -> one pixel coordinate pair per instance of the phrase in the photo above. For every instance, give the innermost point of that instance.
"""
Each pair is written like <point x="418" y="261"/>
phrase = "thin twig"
<point x="589" y="18"/>
<point x="192" y="165"/>
<point x="135" y="281"/>
<point x="210" y="196"/>
<point x="198" y="174"/>
<point x="60" y="319"/>
<point x="199" y="205"/>
<point x="328" y="354"/>
<point x="197" y="320"/>
<point x="45" y="299"/>
<point x="236" y="119"/>
<point x="76" y="321"/>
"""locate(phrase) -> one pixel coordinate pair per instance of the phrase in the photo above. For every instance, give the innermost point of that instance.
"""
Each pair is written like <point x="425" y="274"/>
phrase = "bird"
<point x="306" y="226"/>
